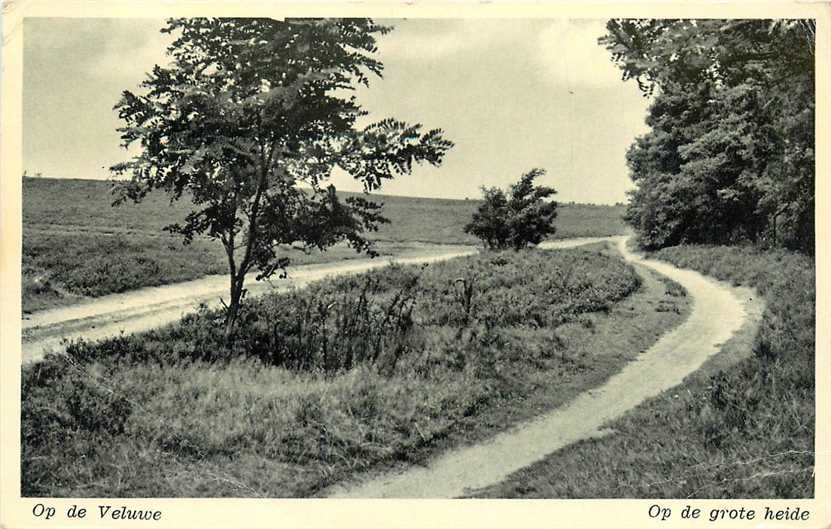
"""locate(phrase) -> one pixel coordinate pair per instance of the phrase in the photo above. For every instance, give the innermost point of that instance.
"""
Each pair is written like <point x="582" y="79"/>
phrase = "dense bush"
<point x="516" y="219"/>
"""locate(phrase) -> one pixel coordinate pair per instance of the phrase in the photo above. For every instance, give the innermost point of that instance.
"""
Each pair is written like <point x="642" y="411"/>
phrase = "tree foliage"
<point x="730" y="154"/>
<point x="249" y="120"/>
<point x="516" y="219"/>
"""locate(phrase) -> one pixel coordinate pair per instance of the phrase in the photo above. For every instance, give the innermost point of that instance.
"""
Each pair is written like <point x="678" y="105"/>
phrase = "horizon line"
<point x="39" y="176"/>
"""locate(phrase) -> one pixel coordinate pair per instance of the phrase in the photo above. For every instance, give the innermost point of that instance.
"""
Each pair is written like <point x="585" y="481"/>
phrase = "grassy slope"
<point x="75" y="244"/>
<point x="741" y="427"/>
<point x="304" y="401"/>
<point x="68" y="204"/>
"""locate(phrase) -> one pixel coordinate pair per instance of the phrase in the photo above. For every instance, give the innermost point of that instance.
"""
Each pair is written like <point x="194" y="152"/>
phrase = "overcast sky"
<point x="511" y="94"/>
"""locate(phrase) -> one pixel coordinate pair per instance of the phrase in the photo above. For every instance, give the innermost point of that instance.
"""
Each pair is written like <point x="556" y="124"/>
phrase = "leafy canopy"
<point x="730" y="156"/>
<point x="249" y="121"/>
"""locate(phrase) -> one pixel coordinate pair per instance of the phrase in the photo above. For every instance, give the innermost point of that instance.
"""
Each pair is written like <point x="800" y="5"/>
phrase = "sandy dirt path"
<point x="152" y="307"/>
<point x="715" y="316"/>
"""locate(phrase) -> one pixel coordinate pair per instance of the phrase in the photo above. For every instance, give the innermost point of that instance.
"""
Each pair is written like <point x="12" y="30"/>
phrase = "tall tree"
<point x="734" y="106"/>
<point x="249" y="120"/>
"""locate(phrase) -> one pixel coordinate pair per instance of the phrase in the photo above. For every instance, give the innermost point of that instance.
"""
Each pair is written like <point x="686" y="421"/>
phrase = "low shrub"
<point x="379" y="317"/>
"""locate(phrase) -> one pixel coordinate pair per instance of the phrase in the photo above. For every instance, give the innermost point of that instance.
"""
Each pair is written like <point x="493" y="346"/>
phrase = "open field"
<point x="70" y="205"/>
<point x="357" y="373"/>
<point x="75" y="244"/>
<point x="741" y="427"/>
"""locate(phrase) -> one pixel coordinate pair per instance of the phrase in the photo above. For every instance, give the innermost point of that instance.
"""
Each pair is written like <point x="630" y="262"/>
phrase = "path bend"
<point x="716" y="315"/>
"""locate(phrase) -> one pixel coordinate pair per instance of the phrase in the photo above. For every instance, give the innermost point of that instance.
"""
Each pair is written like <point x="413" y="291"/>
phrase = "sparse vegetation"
<point x="741" y="427"/>
<point x="353" y="373"/>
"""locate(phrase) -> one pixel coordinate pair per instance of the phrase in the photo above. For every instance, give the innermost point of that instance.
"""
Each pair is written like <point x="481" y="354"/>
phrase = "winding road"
<point x="717" y="314"/>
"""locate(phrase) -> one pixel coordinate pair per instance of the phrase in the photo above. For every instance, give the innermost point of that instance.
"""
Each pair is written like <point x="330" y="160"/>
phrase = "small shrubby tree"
<point x="516" y="219"/>
<point x="490" y="220"/>
<point x="249" y="120"/>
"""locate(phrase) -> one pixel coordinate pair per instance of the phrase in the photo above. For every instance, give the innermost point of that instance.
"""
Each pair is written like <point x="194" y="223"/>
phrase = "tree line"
<point x="730" y="154"/>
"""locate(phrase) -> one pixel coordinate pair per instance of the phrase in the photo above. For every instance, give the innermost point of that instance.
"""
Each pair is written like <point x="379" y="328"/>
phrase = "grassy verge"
<point x="350" y="375"/>
<point x="76" y="245"/>
<point x="741" y="427"/>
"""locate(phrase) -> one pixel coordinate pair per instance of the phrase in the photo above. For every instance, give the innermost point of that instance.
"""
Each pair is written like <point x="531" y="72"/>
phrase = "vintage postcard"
<point x="414" y="265"/>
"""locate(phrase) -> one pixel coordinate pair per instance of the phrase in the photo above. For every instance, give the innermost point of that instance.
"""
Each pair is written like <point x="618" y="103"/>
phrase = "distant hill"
<point x="85" y="206"/>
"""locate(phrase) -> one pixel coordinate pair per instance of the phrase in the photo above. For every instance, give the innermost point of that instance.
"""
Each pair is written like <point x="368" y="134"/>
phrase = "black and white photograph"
<point x="418" y="257"/>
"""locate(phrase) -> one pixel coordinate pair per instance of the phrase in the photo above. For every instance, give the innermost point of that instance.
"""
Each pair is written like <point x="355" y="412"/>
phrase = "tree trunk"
<point x="233" y="307"/>
<point x="238" y="274"/>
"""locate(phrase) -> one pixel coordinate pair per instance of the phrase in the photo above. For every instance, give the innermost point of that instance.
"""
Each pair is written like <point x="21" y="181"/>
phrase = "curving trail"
<point x="716" y="315"/>
<point x="152" y="307"/>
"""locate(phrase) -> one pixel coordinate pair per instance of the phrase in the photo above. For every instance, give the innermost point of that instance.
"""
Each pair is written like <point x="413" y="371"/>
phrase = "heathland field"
<point x="498" y="366"/>
<point x="76" y="245"/>
<point x="384" y="370"/>
<point x="352" y="374"/>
